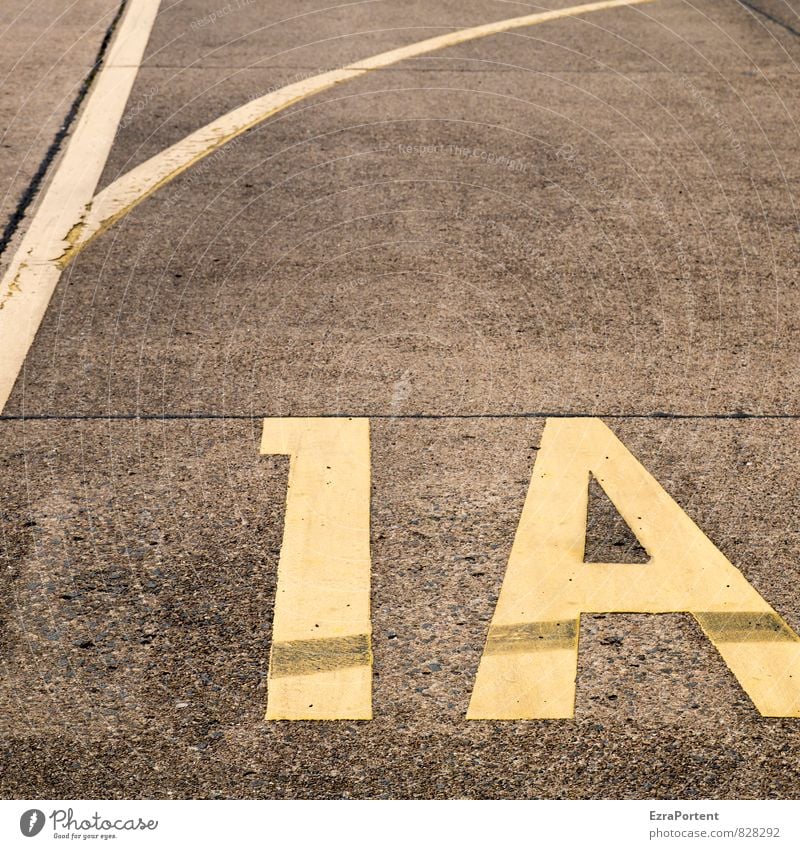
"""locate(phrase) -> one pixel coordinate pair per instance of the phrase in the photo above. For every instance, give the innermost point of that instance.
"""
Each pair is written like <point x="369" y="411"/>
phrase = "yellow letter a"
<point x="530" y="660"/>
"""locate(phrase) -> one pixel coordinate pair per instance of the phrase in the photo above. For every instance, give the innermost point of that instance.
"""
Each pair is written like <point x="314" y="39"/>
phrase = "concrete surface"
<point x="139" y="588"/>
<point x="593" y="216"/>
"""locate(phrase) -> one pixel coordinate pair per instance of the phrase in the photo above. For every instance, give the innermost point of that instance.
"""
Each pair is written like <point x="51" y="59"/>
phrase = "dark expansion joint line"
<point x="770" y="17"/>
<point x="539" y="414"/>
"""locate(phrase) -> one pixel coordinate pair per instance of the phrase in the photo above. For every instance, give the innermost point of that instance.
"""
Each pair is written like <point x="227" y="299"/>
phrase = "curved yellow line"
<point x="52" y="241"/>
<point x="121" y="196"/>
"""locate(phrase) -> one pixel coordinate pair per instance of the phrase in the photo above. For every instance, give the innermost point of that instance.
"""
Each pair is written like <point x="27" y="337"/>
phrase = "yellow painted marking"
<point x="50" y="250"/>
<point x="124" y="194"/>
<point x="57" y="227"/>
<point x="321" y="659"/>
<point x="529" y="666"/>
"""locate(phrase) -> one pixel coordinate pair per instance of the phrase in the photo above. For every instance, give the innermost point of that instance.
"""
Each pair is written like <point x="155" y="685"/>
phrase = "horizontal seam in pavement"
<point x="32" y="189"/>
<point x="541" y="414"/>
<point x="404" y="70"/>
<point x="770" y="17"/>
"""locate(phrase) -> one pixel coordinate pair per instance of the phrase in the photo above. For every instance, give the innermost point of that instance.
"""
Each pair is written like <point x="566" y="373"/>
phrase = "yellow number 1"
<point x="320" y="665"/>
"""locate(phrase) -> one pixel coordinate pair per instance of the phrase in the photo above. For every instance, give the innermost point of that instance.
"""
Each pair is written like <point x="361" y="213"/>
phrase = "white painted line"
<point x="31" y="278"/>
<point x="50" y="245"/>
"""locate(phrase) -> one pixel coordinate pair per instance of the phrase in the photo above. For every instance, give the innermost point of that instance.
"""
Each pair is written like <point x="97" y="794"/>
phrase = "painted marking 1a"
<point x="321" y="657"/>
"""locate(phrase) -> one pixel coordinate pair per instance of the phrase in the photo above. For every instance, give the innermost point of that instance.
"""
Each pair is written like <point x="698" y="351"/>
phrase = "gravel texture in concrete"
<point x="592" y="216"/>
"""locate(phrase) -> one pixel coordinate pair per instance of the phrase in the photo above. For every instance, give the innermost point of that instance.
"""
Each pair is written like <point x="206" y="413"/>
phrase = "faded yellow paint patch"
<point x="12" y="288"/>
<point x="758" y="627"/>
<point x="321" y="657"/>
<point x="529" y="666"/>
<point x="532" y="636"/>
<point x="68" y="205"/>
<point x="72" y="240"/>
<point x="307" y="657"/>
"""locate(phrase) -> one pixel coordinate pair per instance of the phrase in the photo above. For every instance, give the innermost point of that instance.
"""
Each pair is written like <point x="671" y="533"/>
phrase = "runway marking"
<point x="321" y="659"/>
<point x="50" y="245"/>
<point x="532" y="636"/>
<point x="58" y="223"/>
<point x="307" y="657"/>
<point x="529" y="666"/>
<point x="740" y="627"/>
